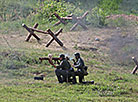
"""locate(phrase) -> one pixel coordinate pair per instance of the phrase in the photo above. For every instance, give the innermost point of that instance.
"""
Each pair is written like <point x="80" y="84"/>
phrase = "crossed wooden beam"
<point x="62" y="19"/>
<point x="136" y="67"/>
<point x="32" y="30"/>
<point x="77" y="20"/>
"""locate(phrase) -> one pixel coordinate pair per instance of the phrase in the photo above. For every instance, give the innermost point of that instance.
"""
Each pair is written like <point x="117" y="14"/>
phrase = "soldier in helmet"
<point x="79" y="64"/>
<point x="63" y="70"/>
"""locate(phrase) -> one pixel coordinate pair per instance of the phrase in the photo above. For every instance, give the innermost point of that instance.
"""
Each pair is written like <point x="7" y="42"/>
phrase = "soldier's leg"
<point x="64" y="74"/>
<point x="81" y="77"/>
<point x="58" y="74"/>
<point x="73" y="80"/>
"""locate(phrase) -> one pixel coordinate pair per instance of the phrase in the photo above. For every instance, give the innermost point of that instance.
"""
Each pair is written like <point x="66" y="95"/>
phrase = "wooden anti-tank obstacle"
<point x="31" y="33"/>
<point x="77" y="20"/>
<point x="62" y="19"/>
<point x="136" y="67"/>
<point x="32" y="30"/>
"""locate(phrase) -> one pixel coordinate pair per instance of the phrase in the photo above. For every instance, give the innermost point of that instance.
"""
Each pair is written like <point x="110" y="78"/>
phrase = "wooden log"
<point x="54" y="37"/>
<point x="39" y="31"/>
<point x="84" y="15"/>
<point x="67" y="18"/>
<point x="74" y="26"/>
<point x="136" y="67"/>
<point x="61" y="20"/>
<point x="57" y="23"/>
<point x="134" y="70"/>
<point x="31" y="32"/>
<point x="74" y="18"/>
<point x="27" y="28"/>
<point x="135" y="60"/>
<point x="57" y="33"/>
<point x="83" y="25"/>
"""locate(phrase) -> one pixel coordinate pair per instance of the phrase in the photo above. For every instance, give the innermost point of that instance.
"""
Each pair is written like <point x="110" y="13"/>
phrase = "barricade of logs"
<point x="33" y="29"/>
<point x="136" y="67"/>
<point x="77" y="20"/>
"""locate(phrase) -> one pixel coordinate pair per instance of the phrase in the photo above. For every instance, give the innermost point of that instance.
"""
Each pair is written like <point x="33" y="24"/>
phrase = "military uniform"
<point x="63" y="72"/>
<point x="79" y="64"/>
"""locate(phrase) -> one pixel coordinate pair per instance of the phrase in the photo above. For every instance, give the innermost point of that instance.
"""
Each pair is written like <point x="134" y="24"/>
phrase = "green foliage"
<point x="15" y="9"/>
<point x="104" y="8"/>
<point x="98" y="17"/>
<point x="109" y="6"/>
<point x="49" y="7"/>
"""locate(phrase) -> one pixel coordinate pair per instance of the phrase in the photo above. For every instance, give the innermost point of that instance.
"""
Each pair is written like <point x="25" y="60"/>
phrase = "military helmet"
<point x="77" y="54"/>
<point x="62" y="56"/>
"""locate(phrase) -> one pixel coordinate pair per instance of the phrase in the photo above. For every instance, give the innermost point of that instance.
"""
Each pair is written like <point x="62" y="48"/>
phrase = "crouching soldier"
<point x="63" y="71"/>
<point x="81" y="68"/>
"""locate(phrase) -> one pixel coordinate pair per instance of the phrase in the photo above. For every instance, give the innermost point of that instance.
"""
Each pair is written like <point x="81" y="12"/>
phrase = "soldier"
<point x="63" y="70"/>
<point x="81" y="69"/>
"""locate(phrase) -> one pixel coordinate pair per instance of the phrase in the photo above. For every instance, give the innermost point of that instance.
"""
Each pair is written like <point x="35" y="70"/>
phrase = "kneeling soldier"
<point x="81" y="68"/>
<point x="63" y="71"/>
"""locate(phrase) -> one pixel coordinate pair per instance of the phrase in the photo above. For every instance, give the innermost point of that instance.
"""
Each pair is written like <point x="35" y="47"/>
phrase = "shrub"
<point x="48" y="8"/>
<point x="15" y="9"/>
<point x="104" y="8"/>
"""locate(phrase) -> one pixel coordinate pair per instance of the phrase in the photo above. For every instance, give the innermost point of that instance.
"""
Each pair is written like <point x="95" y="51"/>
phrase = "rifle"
<point x="50" y="60"/>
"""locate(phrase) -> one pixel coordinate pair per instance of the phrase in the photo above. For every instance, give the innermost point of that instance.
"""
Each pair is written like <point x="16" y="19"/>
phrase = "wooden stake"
<point x="136" y="67"/>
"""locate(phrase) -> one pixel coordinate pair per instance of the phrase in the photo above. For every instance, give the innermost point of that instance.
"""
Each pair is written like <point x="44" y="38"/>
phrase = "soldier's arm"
<point x="60" y="66"/>
<point x="74" y="61"/>
<point x="79" y="65"/>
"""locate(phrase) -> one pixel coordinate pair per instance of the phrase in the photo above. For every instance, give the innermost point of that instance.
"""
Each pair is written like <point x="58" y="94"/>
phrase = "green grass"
<point x="113" y="82"/>
<point x="81" y="7"/>
<point x="18" y="85"/>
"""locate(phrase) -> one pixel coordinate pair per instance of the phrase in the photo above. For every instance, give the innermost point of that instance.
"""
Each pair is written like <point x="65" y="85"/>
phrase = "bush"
<point x="97" y="17"/>
<point x="109" y="6"/>
<point x="48" y="8"/>
<point x="104" y="8"/>
<point x="15" y="9"/>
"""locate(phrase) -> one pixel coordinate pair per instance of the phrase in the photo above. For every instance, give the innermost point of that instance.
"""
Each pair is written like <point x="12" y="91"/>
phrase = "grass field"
<point x="109" y="60"/>
<point x="19" y="65"/>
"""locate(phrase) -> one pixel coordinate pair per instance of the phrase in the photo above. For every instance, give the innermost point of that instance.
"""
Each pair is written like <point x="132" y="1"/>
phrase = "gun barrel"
<point x="46" y="58"/>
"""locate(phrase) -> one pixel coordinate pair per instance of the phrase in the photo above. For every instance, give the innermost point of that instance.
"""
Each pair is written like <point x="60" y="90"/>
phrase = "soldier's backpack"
<point x="84" y="70"/>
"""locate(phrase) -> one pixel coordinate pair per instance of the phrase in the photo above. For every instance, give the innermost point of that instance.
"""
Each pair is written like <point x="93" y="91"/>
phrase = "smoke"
<point x="123" y="46"/>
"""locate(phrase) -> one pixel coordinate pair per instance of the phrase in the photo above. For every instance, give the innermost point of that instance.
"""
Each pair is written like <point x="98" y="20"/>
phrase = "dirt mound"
<point x="128" y="17"/>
